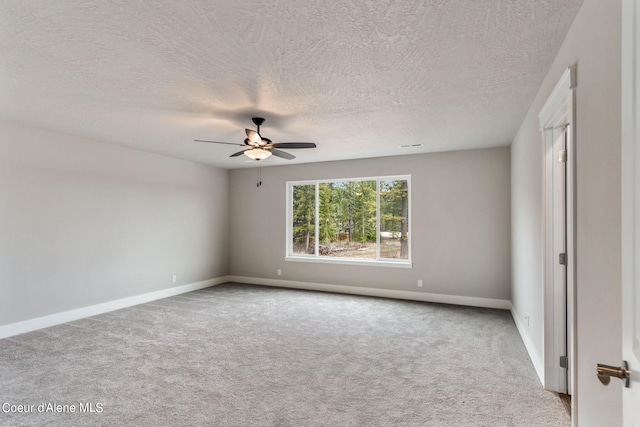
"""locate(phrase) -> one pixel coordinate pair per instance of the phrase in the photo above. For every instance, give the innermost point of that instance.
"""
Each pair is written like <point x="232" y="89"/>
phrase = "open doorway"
<point x="557" y="125"/>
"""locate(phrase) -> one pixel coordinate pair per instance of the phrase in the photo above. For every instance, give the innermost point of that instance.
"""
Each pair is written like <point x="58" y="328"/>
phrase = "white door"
<point x="557" y="378"/>
<point x="560" y="246"/>
<point x="631" y="209"/>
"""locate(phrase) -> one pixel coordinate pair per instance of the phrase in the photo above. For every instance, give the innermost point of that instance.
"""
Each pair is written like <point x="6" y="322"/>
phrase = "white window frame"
<point x="316" y="257"/>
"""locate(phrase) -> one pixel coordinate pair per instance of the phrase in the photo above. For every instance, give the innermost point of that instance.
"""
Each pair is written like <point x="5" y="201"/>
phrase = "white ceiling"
<point x="358" y="77"/>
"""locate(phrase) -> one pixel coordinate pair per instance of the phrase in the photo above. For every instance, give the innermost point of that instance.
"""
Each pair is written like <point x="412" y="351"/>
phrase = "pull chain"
<point x="259" y="175"/>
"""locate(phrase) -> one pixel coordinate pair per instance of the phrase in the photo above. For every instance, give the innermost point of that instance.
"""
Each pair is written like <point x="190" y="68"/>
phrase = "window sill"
<point x="350" y="261"/>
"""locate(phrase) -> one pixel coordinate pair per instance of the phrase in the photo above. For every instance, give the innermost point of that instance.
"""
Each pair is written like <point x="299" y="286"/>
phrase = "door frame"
<point x="630" y="189"/>
<point x="558" y="111"/>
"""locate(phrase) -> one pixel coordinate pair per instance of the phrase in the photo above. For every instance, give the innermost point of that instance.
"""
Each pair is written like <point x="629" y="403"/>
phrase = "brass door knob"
<point x="605" y="372"/>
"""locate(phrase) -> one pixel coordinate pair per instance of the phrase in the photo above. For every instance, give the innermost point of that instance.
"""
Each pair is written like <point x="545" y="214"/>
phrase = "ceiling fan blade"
<point x="254" y="137"/>
<point x="218" y="142"/>
<point x="294" y="145"/>
<point x="239" y="153"/>
<point x="282" y="154"/>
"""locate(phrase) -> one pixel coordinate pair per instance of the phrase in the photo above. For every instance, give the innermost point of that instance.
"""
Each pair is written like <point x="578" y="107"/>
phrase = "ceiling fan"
<point x="257" y="147"/>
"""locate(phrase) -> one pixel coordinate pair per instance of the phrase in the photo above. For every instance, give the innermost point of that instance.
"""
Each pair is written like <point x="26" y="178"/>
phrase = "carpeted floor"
<point x="240" y="355"/>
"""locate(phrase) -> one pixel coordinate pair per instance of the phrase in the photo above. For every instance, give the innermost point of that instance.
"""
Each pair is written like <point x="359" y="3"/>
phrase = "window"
<point x="360" y="220"/>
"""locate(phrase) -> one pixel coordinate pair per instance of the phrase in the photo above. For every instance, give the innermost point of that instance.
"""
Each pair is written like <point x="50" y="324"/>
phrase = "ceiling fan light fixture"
<point x="257" y="153"/>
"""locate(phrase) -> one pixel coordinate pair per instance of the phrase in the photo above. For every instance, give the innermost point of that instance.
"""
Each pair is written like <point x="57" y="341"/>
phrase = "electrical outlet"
<point x="279" y="272"/>
<point x="420" y="283"/>
<point x="175" y="278"/>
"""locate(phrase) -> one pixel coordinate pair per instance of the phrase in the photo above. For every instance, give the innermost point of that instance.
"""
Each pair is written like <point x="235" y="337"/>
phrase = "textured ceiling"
<point x="358" y="77"/>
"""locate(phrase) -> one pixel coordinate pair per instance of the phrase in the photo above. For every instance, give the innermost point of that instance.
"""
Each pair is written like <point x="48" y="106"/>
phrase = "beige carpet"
<point x="240" y="355"/>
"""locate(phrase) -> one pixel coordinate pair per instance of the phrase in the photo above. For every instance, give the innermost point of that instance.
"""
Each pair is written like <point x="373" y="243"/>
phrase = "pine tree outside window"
<point x="362" y="220"/>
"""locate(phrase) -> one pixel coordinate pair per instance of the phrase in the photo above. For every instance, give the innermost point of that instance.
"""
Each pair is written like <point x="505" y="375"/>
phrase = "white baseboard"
<point x="526" y="339"/>
<point x="71" y="315"/>
<point x="374" y="292"/>
<point x="92" y="310"/>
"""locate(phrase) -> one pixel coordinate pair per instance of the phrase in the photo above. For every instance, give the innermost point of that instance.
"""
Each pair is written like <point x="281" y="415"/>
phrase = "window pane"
<point x="347" y="223"/>
<point x="394" y="219"/>
<point x="304" y="219"/>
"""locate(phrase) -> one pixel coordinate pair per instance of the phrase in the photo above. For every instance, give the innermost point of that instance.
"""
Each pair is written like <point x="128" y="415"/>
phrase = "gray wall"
<point x="594" y="43"/>
<point x="460" y="224"/>
<point x="83" y="222"/>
